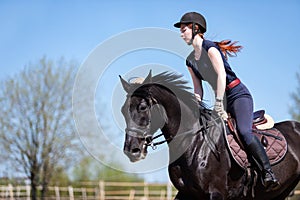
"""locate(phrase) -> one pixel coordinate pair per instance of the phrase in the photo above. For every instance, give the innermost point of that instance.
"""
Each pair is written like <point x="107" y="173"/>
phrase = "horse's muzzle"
<point x="135" y="148"/>
<point x="135" y="154"/>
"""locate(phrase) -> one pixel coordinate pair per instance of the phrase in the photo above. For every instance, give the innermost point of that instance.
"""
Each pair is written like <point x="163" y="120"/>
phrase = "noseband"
<point x="145" y="134"/>
<point x="148" y="138"/>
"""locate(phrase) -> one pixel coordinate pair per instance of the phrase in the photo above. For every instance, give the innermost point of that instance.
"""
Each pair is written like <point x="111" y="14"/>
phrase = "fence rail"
<point x="97" y="191"/>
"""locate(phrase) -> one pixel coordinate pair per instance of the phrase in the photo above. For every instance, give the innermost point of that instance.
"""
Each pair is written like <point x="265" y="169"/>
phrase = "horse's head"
<point x="159" y="102"/>
<point x="140" y="113"/>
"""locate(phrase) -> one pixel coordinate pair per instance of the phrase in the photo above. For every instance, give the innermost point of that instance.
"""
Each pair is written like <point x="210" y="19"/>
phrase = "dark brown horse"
<point x="200" y="166"/>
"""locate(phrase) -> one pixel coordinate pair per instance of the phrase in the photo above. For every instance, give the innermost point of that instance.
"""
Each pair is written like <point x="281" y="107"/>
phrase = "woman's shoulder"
<point x="191" y="55"/>
<point x="208" y="44"/>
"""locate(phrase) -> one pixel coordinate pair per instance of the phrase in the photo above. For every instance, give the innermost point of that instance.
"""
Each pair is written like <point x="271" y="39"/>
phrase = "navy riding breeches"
<point x="240" y="106"/>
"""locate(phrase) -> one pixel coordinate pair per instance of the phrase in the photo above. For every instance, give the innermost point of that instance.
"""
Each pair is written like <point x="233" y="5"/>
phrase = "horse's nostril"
<point x="135" y="150"/>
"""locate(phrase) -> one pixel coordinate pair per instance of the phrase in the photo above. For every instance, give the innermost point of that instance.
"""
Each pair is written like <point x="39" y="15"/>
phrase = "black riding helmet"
<point x="194" y="18"/>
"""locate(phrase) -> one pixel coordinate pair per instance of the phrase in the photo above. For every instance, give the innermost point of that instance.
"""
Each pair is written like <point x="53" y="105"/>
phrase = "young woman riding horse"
<point x="208" y="62"/>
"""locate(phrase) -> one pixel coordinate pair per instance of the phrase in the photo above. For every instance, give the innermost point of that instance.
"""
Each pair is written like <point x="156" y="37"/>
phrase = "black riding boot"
<point x="256" y="149"/>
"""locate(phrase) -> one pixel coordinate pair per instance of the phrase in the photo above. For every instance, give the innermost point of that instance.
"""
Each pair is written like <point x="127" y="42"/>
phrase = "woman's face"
<point x="186" y="33"/>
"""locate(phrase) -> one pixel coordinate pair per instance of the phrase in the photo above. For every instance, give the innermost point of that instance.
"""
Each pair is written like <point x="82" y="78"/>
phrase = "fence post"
<point x="18" y="192"/>
<point x="28" y="188"/>
<point x="102" y="190"/>
<point x="146" y="191"/>
<point x="162" y="194"/>
<point x="2" y="189"/>
<point x="169" y="191"/>
<point x="83" y="191"/>
<point x="11" y="191"/>
<point x="71" y="194"/>
<point x="131" y="195"/>
<point x="57" y="195"/>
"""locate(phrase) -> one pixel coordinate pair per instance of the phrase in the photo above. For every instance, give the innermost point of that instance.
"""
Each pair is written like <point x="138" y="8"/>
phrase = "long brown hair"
<point x="227" y="47"/>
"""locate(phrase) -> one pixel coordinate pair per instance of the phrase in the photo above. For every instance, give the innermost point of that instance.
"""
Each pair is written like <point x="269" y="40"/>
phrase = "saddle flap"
<point x="273" y="140"/>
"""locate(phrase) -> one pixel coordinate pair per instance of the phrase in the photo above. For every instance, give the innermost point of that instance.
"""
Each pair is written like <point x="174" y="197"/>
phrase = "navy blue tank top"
<point x="203" y="68"/>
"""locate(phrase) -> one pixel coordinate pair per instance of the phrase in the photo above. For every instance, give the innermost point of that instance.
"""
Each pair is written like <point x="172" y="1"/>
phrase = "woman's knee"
<point x="246" y="136"/>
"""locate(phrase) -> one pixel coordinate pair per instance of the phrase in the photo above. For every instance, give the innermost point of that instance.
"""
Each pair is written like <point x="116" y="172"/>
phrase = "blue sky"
<point x="268" y="30"/>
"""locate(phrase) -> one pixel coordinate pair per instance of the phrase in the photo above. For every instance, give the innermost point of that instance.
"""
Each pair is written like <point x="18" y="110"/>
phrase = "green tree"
<point x="111" y="174"/>
<point x="89" y="169"/>
<point x="84" y="170"/>
<point x="295" y="109"/>
<point x="295" y="113"/>
<point x="36" y="126"/>
<point x="60" y="177"/>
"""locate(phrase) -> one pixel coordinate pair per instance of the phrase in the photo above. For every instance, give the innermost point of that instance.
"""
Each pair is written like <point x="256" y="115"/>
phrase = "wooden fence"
<point x="98" y="191"/>
<point x="91" y="191"/>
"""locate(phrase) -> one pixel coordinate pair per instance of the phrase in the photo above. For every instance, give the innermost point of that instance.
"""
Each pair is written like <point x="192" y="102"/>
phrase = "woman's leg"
<point x="242" y="110"/>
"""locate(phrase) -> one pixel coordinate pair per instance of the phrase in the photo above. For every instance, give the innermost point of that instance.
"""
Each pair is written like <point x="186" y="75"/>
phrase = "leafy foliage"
<point x="295" y="113"/>
<point x="36" y="126"/>
<point x="295" y="109"/>
<point x="89" y="169"/>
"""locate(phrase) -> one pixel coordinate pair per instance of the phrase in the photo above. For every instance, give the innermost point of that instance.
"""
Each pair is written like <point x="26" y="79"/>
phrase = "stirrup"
<point x="269" y="181"/>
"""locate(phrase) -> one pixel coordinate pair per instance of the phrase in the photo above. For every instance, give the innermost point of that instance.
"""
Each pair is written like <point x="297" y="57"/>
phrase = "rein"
<point x="149" y="139"/>
<point x="153" y="145"/>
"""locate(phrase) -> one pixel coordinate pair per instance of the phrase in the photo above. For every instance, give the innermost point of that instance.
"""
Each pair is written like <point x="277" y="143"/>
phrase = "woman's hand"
<point x="219" y="108"/>
<point x="198" y="97"/>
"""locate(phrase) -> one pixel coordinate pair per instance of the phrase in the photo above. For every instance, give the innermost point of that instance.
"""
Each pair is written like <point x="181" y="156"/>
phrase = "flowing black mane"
<point x="172" y="82"/>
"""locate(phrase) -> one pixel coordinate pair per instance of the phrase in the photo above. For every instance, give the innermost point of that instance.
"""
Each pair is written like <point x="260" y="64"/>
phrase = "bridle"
<point x="145" y="134"/>
<point x="149" y="138"/>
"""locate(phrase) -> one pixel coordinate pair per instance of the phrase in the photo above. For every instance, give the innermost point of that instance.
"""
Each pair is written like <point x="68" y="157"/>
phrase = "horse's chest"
<point x="186" y="178"/>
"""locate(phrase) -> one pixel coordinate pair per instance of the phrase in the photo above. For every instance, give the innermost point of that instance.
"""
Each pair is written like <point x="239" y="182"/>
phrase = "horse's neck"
<point x="207" y="138"/>
<point x="180" y="118"/>
<point x="180" y="129"/>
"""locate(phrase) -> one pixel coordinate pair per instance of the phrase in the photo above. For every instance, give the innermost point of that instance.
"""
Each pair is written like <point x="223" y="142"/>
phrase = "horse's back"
<point x="291" y="131"/>
<point x="288" y="171"/>
<point x="293" y="126"/>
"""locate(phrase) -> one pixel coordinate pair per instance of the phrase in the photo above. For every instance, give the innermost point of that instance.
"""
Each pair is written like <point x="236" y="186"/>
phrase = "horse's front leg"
<point x="181" y="196"/>
<point x="212" y="196"/>
<point x="216" y="196"/>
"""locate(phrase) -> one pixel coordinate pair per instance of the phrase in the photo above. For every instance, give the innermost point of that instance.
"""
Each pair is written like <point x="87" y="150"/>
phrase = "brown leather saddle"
<point x="272" y="139"/>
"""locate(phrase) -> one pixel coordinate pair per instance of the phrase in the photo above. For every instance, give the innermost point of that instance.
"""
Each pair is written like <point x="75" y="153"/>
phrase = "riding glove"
<point x="219" y="108"/>
<point x="198" y="97"/>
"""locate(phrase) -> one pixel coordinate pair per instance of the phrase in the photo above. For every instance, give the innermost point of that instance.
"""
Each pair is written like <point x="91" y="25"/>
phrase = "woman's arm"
<point x="218" y="65"/>
<point x="198" y="90"/>
<point x="217" y="62"/>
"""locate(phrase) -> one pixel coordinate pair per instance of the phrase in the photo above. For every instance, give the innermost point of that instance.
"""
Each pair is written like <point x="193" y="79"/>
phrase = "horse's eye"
<point x="143" y="107"/>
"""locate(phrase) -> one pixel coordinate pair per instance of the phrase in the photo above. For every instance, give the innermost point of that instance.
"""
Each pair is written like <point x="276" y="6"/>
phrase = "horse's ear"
<point x="125" y="84"/>
<point x="148" y="79"/>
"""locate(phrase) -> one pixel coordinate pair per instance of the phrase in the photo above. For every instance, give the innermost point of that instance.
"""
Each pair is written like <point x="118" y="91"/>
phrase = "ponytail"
<point x="229" y="48"/>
